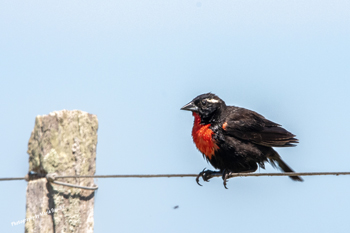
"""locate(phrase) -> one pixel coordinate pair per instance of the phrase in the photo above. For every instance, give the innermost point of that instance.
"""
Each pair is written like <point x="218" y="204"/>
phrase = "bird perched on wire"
<point x="235" y="140"/>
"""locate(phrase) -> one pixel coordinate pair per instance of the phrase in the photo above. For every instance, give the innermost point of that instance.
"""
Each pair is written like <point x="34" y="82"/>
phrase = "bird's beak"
<point x="190" y="107"/>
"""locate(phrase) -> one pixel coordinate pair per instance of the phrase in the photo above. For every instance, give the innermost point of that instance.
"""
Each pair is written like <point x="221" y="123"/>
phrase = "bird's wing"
<point x="251" y="126"/>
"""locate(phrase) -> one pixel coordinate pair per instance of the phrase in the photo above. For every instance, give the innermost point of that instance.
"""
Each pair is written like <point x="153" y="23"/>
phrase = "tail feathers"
<point x="286" y="168"/>
<point x="283" y="166"/>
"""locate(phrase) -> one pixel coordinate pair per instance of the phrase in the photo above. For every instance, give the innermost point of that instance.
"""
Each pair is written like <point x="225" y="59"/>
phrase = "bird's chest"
<point x="203" y="138"/>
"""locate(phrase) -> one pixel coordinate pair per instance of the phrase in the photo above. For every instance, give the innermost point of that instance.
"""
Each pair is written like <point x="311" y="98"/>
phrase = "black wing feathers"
<point x="251" y="126"/>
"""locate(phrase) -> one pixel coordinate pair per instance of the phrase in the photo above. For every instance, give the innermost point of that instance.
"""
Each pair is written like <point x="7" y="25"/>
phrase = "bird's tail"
<point x="282" y="165"/>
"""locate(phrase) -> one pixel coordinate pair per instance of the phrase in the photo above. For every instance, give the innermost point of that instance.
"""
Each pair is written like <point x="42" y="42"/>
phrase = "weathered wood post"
<point x="62" y="142"/>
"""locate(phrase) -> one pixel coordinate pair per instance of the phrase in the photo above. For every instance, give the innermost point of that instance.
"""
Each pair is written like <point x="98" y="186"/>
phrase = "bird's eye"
<point x="204" y="102"/>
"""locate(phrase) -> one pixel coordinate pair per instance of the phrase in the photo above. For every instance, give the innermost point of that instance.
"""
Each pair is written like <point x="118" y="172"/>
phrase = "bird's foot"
<point x="206" y="175"/>
<point x="226" y="174"/>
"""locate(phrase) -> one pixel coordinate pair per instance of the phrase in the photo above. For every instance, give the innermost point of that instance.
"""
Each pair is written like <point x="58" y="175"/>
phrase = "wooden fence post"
<point x="63" y="142"/>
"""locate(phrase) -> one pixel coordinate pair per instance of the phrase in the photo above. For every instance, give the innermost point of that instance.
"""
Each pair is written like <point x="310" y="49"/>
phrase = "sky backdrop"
<point x="136" y="63"/>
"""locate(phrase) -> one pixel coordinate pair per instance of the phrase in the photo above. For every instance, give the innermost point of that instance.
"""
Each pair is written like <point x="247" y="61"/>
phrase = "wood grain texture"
<point x="63" y="142"/>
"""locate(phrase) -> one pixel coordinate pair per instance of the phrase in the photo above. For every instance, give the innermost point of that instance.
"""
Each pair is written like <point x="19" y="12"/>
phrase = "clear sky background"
<point x="136" y="63"/>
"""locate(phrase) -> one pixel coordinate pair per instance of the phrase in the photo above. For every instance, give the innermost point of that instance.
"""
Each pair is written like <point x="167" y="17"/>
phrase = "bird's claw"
<point x="226" y="174"/>
<point x="206" y="175"/>
<point x="201" y="174"/>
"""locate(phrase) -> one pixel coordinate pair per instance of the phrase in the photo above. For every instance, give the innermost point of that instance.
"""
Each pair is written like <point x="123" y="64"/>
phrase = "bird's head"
<point x="207" y="106"/>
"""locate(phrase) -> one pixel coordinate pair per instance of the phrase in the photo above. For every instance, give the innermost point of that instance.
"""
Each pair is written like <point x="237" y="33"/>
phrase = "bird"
<point x="234" y="139"/>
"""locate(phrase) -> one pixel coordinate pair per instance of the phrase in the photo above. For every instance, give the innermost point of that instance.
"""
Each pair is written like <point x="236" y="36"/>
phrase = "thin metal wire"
<point x="12" y="178"/>
<point x="193" y="175"/>
<point x="133" y="176"/>
<point x="216" y="175"/>
<point x="74" y="185"/>
<point x="51" y="177"/>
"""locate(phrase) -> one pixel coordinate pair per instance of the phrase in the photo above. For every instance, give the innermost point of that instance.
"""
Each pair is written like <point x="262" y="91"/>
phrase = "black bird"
<point x="236" y="140"/>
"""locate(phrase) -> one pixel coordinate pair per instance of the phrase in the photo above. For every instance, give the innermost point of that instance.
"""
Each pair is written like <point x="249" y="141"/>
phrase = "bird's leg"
<point x="207" y="175"/>
<point x="225" y="175"/>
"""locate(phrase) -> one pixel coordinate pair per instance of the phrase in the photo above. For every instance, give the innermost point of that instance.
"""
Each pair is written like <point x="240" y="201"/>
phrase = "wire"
<point x="193" y="175"/>
<point x="13" y="178"/>
<point x="75" y="186"/>
<point x="216" y="175"/>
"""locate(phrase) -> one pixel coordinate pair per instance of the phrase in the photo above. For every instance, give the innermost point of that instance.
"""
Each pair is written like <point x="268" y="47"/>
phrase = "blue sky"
<point x="136" y="63"/>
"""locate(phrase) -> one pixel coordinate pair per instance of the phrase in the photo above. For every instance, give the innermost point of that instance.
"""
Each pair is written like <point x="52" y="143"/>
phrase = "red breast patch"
<point x="202" y="137"/>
